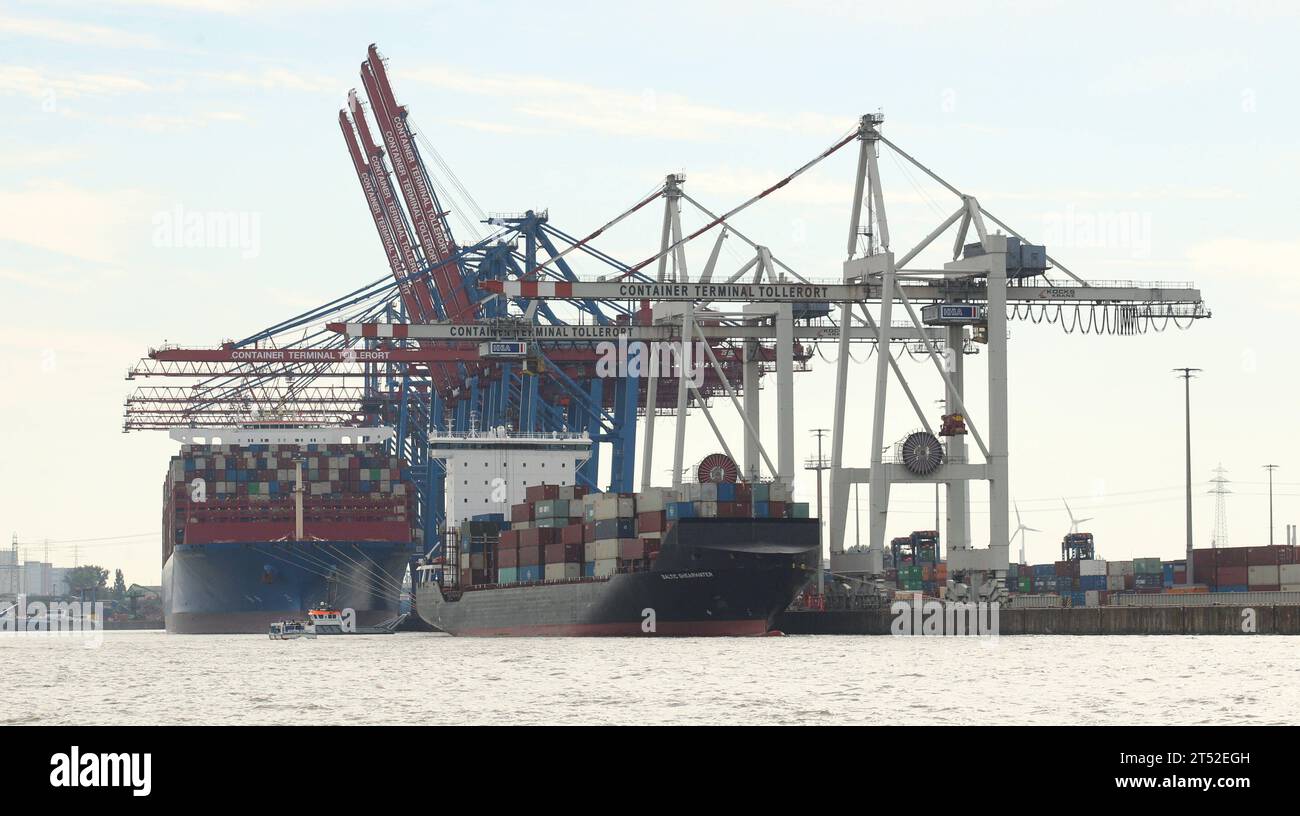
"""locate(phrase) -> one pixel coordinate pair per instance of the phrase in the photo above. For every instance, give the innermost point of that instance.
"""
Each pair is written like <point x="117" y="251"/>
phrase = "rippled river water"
<point x="155" y="678"/>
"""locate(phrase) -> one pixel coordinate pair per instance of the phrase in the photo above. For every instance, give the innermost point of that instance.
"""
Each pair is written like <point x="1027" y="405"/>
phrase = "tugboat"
<point x="326" y="620"/>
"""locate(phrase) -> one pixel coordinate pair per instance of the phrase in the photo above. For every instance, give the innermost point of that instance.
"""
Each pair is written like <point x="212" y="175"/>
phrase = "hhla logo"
<point x="91" y="770"/>
<point x="937" y="619"/>
<point x="638" y="359"/>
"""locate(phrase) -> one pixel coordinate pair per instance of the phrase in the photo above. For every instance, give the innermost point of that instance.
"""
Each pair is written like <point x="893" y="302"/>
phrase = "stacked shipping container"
<point x="232" y="493"/>
<point x="563" y="532"/>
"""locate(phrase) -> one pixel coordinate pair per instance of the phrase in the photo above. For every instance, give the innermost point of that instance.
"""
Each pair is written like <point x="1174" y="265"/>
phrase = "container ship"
<point x="713" y="557"/>
<point x="267" y="520"/>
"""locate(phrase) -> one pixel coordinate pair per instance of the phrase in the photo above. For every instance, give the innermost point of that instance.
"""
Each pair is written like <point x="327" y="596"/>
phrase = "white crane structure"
<point x="883" y="300"/>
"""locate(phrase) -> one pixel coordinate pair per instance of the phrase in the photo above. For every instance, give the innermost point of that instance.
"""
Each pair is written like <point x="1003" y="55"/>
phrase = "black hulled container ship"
<point x="710" y="558"/>
<point x="267" y="520"/>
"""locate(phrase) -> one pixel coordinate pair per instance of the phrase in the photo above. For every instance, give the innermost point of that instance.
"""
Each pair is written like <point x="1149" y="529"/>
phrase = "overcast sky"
<point x="1140" y="141"/>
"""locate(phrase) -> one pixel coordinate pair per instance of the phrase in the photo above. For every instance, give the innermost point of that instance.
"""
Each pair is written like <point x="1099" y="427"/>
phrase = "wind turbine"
<point x="1074" y="522"/>
<point x="1021" y="529"/>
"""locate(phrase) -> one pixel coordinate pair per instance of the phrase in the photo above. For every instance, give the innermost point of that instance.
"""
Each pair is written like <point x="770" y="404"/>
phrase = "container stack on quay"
<point x="562" y="533"/>
<point x="222" y="493"/>
<point x="1099" y="583"/>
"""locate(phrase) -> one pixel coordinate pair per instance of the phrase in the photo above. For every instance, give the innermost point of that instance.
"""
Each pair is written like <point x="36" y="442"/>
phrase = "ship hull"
<point x="713" y="577"/>
<point x="238" y="588"/>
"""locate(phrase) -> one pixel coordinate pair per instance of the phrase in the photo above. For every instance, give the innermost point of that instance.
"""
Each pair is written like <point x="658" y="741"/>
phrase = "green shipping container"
<point x="1147" y="566"/>
<point x="1026" y="584"/>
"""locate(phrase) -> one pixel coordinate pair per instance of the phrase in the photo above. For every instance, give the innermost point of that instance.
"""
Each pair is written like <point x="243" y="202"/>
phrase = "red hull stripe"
<point x="627" y="629"/>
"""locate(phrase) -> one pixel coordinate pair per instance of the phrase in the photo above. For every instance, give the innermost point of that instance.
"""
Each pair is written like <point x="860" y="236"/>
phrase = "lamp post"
<point x="1270" y="469"/>
<point x="1187" y="374"/>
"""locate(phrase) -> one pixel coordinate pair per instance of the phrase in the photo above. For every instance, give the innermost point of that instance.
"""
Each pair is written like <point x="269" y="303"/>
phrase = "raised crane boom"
<point x="427" y="218"/>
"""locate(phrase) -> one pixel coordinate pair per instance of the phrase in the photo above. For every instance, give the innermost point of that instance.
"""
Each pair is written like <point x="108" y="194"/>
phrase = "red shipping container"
<point x="530" y="556"/>
<point x="1231" y="557"/>
<point x="733" y="509"/>
<point x="1232" y="576"/>
<point x="530" y="537"/>
<point x="508" y="557"/>
<point x="1266" y="588"/>
<point x="776" y="509"/>
<point x="572" y="534"/>
<point x="543" y="492"/>
<point x="1262" y="556"/>
<point x="1130" y="581"/>
<point x="561" y="553"/>
<point x="589" y="531"/>
<point x="521" y="512"/>
<point x="1286" y="555"/>
<point x="744" y="492"/>
<point x="510" y="538"/>
<point x="553" y="553"/>
<point x="632" y="549"/>
<point x="652" y="521"/>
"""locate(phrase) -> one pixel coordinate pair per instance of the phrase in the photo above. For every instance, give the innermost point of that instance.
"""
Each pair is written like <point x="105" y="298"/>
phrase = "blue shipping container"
<point x="533" y="573"/>
<point x="760" y="509"/>
<point x="726" y="491"/>
<point x="588" y="569"/>
<point x="679" y="510"/>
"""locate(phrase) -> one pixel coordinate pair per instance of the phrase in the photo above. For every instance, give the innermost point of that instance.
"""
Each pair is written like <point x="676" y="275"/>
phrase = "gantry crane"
<point x="420" y="340"/>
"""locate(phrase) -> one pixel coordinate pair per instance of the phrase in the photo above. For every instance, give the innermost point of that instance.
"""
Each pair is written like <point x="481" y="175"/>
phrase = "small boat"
<point x="291" y="630"/>
<point x="326" y="620"/>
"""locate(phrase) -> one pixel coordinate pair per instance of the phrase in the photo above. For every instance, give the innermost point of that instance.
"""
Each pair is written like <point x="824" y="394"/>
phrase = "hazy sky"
<point x="1139" y="140"/>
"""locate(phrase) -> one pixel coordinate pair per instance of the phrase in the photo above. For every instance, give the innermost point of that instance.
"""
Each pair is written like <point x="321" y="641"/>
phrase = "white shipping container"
<point x="600" y="550"/>
<point x="1291" y="587"/>
<point x="612" y="507"/>
<point x="1092" y="567"/>
<point x="1092" y="598"/>
<point x="781" y="491"/>
<point x="561" y="572"/>
<point x="1263" y="576"/>
<point x="607" y="566"/>
<point x="1034" y="601"/>
<point x="650" y="500"/>
<point x="706" y="509"/>
<point x="1207" y="599"/>
<point x="1119" y="567"/>
<point x="708" y="492"/>
<point x="1289" y="574"/>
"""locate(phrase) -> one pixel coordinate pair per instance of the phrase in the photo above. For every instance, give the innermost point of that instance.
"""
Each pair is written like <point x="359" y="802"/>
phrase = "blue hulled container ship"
<point x="267" y="520"/>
